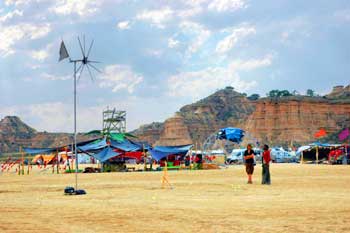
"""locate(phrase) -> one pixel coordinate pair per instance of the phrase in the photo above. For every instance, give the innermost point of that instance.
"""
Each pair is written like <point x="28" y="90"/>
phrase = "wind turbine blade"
<point x="84" y="43"/>
<point x="91" y="76"/>
<point x="92" y="42"/>
<point x="82" y="69"/>
<point x="95" y="68"/>
<point x="79" y="68"/>
<point x="94" y="61"/>
<point x="81" y="47"/>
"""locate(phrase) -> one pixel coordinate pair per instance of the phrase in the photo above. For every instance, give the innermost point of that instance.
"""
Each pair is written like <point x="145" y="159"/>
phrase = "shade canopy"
<point x="160" y="152"/>
<point x="125" y="145"/>
<point x="105" y="154"/>
<point x="95" y="145"/>
<point x="34" y="151"/>
<point x="231" y="134"/>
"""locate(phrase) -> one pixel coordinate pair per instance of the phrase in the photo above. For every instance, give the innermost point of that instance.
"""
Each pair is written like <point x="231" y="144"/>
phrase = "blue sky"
<point x="159" y="55"/>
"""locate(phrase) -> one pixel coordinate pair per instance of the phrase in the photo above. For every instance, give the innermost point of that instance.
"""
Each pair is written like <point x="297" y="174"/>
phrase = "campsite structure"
<point x="113" y="121"/>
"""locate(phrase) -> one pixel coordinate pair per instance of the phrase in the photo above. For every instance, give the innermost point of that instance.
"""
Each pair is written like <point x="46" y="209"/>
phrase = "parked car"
<point x="236" y="156"/>
<point x="279" y="155"/>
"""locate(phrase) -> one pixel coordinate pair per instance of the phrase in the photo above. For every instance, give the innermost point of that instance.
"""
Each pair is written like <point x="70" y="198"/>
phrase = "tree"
<point x="278" y="93"/>
<point x="284" y="93"/>
<point x="273" y="93"/>
<point x="310" y="92"/>
<point x="295" y="92"/>
<point x="253" y="97"/>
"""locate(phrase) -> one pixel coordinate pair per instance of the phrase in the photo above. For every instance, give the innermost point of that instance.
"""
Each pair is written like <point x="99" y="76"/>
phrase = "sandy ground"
<point x="302" y="198"/>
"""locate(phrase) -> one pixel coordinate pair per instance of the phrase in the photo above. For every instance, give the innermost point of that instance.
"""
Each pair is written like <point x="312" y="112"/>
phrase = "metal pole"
<point x="75" y="125"/>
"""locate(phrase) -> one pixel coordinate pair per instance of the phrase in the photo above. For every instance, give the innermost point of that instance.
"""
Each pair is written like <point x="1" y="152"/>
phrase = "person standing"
<point x="266" y="158"/>
<point x="249" y="162"/>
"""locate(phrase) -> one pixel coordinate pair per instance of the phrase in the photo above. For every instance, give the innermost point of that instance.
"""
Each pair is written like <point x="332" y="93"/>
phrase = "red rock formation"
<point x="175" y="132"/>
<point x="295" y="119"/>
<point x="149" y="133"/>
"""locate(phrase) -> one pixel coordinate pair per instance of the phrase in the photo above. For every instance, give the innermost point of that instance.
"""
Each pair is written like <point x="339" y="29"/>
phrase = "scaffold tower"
<point x="113" y="121"/>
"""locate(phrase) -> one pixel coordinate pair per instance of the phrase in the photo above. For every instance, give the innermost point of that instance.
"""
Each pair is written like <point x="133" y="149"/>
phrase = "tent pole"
<point x="58" y="166"/>
<point x="145" y="158"/>
<point x="19" y="161"/>
<point x="22" y="162"/>
<point x="316" y="154"/>
<point x="29" y="164"/>
<point x="302" y="157"/>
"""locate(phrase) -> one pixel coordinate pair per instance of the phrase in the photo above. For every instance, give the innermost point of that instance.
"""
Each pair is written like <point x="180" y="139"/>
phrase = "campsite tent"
<point x="160" y="152"/>
<point x="123" y="148"/>
<point x="316" y="151"/>
<point x="100" y="149"/>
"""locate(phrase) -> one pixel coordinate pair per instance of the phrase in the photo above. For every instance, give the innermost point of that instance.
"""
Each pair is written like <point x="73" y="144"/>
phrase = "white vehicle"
<point x="279" y="155"/>
<point x="236" y="156"/>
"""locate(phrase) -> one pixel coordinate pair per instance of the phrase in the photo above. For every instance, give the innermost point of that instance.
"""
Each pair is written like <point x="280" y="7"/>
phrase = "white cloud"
<point x="79" y="7"/>
<point x="11" y="35"/>
<point x="55" y="77"/>
<point x="226" y="5"/>
<point x="17" y="2"/>
<point x="119" y="77"/>
<point x="56" y="116"/>
<point x="154" y="52"/>
<point x="41" y="54"/>
<point x="198" y="84"/>
<point x="231" y="40"/>
<point x="11" y="15"/>
<point x="343" y="15"/>
<point x="197" y="32"/>
<point x="251" y="64"/>
<point x="123" y="25"/>
<point x="156" y="17"/>
<point x="192" y="8"/>
<point x="172" y="43"/>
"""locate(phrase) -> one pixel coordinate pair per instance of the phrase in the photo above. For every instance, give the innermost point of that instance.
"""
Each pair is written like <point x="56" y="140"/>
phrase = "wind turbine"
<point x="84" y="62"/>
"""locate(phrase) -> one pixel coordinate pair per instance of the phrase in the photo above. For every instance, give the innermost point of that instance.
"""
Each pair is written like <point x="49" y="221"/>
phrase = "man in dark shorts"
<point x="249" y="162"/>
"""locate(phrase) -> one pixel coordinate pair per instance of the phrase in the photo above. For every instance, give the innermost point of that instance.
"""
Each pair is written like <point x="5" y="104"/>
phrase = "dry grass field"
<point x="302" y="198"/>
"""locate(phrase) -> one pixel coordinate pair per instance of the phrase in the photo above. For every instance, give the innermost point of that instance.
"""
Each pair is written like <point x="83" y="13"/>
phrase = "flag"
<point x="63" y="52"/>
<point x="321" y="133"/>
<point x="344" y="134"/>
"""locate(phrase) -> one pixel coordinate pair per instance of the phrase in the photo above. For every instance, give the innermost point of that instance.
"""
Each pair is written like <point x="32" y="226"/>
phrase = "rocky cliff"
<point x="277" y="121"/>
<point x="15" y="133"/>
<point x="195" y="122"/>
<point x="295" y="119"/>
<point x="175" y="132"/>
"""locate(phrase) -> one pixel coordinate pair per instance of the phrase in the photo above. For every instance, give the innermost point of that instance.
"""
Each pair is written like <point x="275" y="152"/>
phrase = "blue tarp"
<point x="105" y="154"/>
<point x="173" y="149"/>
<point x="39" y="150"/>
<point x="144" y="145"/>
<point x="160" y="152"/>
<point x="320" y="144"/>
<point x="231" y="134"/>
<point x="158" y="155"/>
<point x="125" y="145"/>
<point x="95" y="145"/>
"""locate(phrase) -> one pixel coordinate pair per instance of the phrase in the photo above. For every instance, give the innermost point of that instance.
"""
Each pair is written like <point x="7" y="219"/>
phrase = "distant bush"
<point x="279" y="93"/>
<point x="253" y="97"/>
